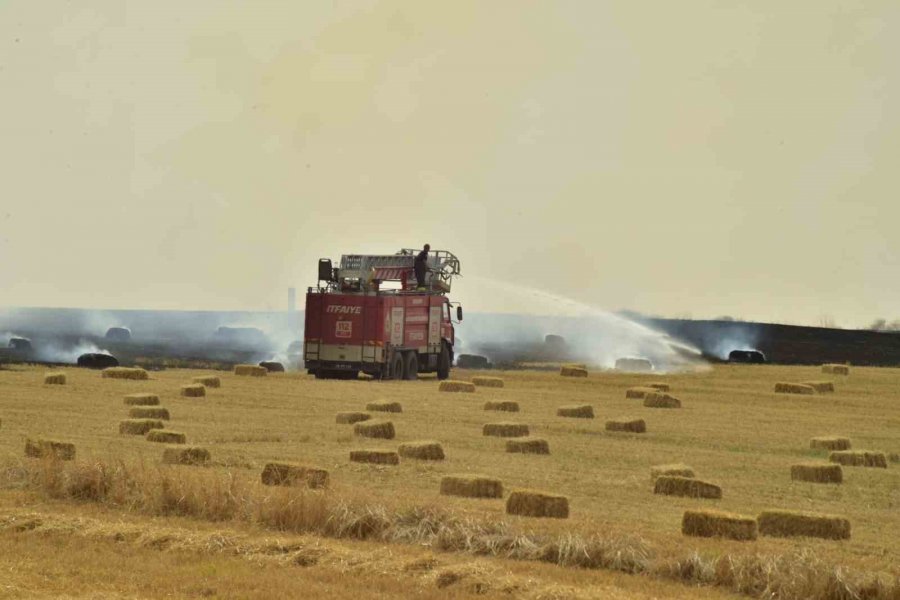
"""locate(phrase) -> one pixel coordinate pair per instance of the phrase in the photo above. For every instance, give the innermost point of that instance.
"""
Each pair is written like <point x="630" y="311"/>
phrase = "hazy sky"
<point x="704" y="158"/>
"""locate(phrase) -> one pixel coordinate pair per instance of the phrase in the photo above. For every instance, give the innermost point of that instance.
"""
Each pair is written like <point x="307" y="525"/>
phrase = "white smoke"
<point x="55" y="352"/>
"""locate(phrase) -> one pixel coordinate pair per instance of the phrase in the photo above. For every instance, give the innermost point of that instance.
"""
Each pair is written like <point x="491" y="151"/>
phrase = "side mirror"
<point x="459" y="313"/>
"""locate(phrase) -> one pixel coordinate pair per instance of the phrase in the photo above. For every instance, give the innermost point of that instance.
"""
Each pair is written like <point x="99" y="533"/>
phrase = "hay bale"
<point x="634" y="365"/>
<point x="817" y="472"/>
<point x="505" y="429"/>
<point x="193" y="390"/>
<point x="639" y="393"/>
<point x="49" y="449"/>
<point x="494" y="382"/>
<point x="378" y="457"/>
<point x="627" y="424"/>
<point x="97" y="360"/>
<point x="821" y="387"/>
<point x="570" y="371"/>
<point x="659" y="387"/>
<point x="794" y="388"/>
<point x="531" y="503"/>
<point x="349" y="418"/>
<point x="528" y="445"/>
<point x="427" y="450"/>
<point x="55" y="379"/>
<point x="502" y="405"/>
<point x="149" y="412"/>
<point x="385" y="406"/>
<point x="472" y="361"/>
<point x="142" y="400"/>
<point x="576" y="411"/>
<point x="829" y="443"/>
<point x="833" y="369"/>
<point x="471" y="486"/>
<point x="673" y="485"/>
<point x="661" y="400"/>
<point x="791" y="523"/>
<point x="456" y="386"/>
<point x="210" y="381"/>
<point x="859" y="458"/>
<point x="279" y="473"/>
<point x="250" y="370"/>
<point x="185" y="455"/>
<point x="139" y="426"/>
<point x="714" y="523"/>
<point x="125" y="373"/>
<point x="166" y="436"/>
<point x="671" y="470"/>
<point x="375" y="429"/>
<point x="271" y="366"/>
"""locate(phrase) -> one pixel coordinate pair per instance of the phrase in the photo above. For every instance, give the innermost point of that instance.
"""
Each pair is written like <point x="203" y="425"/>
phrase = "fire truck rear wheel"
<point x="411" y="366"/>
<point x="443" y="366"/>
<point x="397" y="366"/>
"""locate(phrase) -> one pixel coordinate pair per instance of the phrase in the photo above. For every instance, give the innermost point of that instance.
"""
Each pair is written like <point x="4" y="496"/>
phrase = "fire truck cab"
<point x="368" y="316"/>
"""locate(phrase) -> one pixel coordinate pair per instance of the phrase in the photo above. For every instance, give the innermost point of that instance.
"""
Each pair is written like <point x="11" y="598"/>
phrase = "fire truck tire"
<point x="411" y="366"/>
<point x="397" y="366"/>
<point x="443" y="366"/>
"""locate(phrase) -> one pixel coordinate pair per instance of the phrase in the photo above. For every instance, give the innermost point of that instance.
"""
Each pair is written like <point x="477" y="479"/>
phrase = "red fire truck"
<point x="367" y="315"/>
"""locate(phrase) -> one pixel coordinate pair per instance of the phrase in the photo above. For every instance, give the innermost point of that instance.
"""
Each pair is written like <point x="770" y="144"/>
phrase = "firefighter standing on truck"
<point x="421" y="267"/>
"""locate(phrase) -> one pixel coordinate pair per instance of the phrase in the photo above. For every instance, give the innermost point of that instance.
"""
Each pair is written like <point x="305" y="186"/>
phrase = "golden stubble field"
<point x="733" y="430"/>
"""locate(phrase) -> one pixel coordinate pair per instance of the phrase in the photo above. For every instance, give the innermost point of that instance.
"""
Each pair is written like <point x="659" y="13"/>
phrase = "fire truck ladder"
<point x="442" y="267"/>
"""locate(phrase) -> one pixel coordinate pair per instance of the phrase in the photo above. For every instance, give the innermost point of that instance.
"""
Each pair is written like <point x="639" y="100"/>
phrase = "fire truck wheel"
<point x="411" y="366"/>
<point x="397" y="366"/>
<point x="443" y="366"/>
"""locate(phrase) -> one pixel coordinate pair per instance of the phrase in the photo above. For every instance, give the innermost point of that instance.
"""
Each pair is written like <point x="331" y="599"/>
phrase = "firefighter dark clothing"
<point x="421" y="267"/>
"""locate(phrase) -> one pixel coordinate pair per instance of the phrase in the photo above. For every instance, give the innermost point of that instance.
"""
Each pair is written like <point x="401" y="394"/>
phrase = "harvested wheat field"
<point x="734" y="431"/>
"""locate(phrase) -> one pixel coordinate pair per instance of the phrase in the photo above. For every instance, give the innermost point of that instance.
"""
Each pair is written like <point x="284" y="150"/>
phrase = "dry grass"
<point x="185" y="455"/>
<point x="572" y="371"/>
<point x="661" y="400"/>
<point x="627" y="424"/>
<point x="351" y="417"/>
<point x="141" y="400"/>
<point x="149" y="412"/>
<point x="210" y="381"/>
<point x="836" y="369"/>
<point x="674" y="485"/>
<point x="166" y="436"/>
<point x="378" y="457"/>
<point x="375" y="429"/>
<point x="532" y="503"/>
<point x="55" y="379"/>
<point x="829" y="443"/>
<point x="471" y="486"/>
<point x="790" y="523"/>
<point x="280" y="473"/>
<point x="456" y="386"/>
<point x="859" y="458"/>
<point x="817" y="473"/>
<point x="672" y="470"/>
<point x="502" y="405"/>
<point x="50" y="449"/>
<point x="576" y="411"/>
<point x="427" y="450"/>
<point x="193" y="390"/>
<point x="139" y="426"/>
<point x="385" y="406"/>
<point x="484" y="381"/>
<point x="125" y="373"/>
<point x="528" y="445"/>
<point x="714" y="523"/>
<point x="505" y="429"/>
<point x="794" y="388"/>
<point x="821" y="387"/>
<point x="250" y="370"/>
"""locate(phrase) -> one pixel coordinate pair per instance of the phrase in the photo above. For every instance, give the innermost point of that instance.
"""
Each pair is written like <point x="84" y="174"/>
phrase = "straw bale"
<point x="210" y="381"/>
<point x="449" y="385"/>
<point x="661" y="400"/>
<point x="378" y="457"/>
<point x="660" y="387"/>
<point x="821" y="387"/>
<point x="836" y="369"/>
<point x="349" y="418"/>
<point x="471" y="486"/>
<point x="385" y="406"/>
<point x="166" y="436"/>
<point x="375" y="429"/>
<point x="280" y="473"/>
<point x="627" y="424"/>
<point x="576" y="411"/>
<point x="830" y="443"/>
<point x="142" y="400"/>
<point x="185" y="455"/>
<point x="55" y="379"/>
<point x="673" y="485"/>
<point x="672" y="470"/>
<point x="49" y="449"/>
<point x="125" y="373"/>
<point x="502" y="405"/>
<point x="791" y="523"/>
<point x="532" y="503"/>
<point x="793" y="388"/>
<point x="859" y="458"/>
<point x="139" y="426"/>
<point x="250" y="370"/>
<point x="528" y="445"/>
<point x="639" y="393"/>
<point x="272" y="367"/>
<point x="193" y="390"/>
<point x="426" y="450"/>
<point x="149" y="412"/>
<point x="714" y="523"/>
<point x="495" y="382"/>
<point x="817" y="472"/>
<point x="572" y="371"/>
<point x="505" y="429"/>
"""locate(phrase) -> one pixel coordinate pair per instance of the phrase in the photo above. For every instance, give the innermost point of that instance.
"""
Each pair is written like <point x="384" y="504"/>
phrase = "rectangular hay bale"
<point x="672" y="470"/>
<point x="627" y="424"/>
<point x="639" y="393"/>
<point x="139" y="426"/>
<point x="426" y="450"/>
<point x="375" y="429"/>
<point x="55" y="379"/>
<point x="502" y="405"/>
<point x="385" y="406"/>
<point x="471" y="486"/>
<point x="185" y="455"/>
<point x="714" y="523"/>
<point x="793" y="388"/>
<point x="659" y="387"/>
<point x="829" y="443"/>
<point x="210" y="381"/>
<point x="149" y="412"/>
<point x="377" y="457"/>
<point x="456" y="386"/>
<point x="351" y="417"/>
<point x="49" y="449"/>
<point x="250" y="370"/>
<point x="673" y="485"/>
<point x="859" y="458"/>
<point x="141" y="400"/>
<point x="570" y="371"/>
<point x="528" y="445"/>
<point x="661" y="400"/>
<point x="532" y="503"/>
<point x="834" y="369"/>
<point x="505" y="429"/>
<point x="791" y="523"/>
<point x="193" y="390"/>
<point x="125" y="373"/>
<point x="166" y="436"/>
<point x="576" y="411"/>
<point x="280" y="473"/>
<point x="483" y="381"/>
<point x="821" y="387"/>
<point x="817" y="472"/>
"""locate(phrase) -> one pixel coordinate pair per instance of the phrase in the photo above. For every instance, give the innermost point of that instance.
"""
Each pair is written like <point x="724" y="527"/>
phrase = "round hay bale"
<point x="49" y="449"/>
<point x="97" y="360"/>
<point x="821" y="387"/>
<point x="531" y="503"/>
<point x="139" y="426"/>
<point x="385" y="406"/>
<point x="280" y="473"/>
<point x="250" y="370"/>
<point x="118" y="334"/>
<point x="817" y="473"/>
<point x="149" y="412"/>
<point x="55" y="379"/>
<point x="672" y="485"/>
<point x="714" y="523"/>
<point x="833" y="369"/>
<point x="141" y="400"/>
<point x="375" y="429"/>
<point x="185" y="455"/>
<point x="753" y="357"/>
<point x="661" y="400"/>
<point x="576" y="411"/>
<point x="502" y="405"/>
<point x="627" y="424"/>
<point x="125" y="373"/>
<point x="505" y="429"/>
<point x="859" y="458"/>
<point x="427" y="450"/>
<point x="166" y="436"/>
<point x="794" y="388"/>
<point x="272" y="366"/>
<point x="456" y="386"/>
<point x="193" y="390"/>
<point x="639" y="393"/>
<point x="570" y="371"/>
<point x="377" y="457"/>
<point x="472" y="361"/>
<point x="210" y="381"/>
<point x="634" y="365"/>
<point x="471" y="486"/>
<point x="671" y="470"/>
<point x="494" y="382"/>
<point x="528" y="445"/>
<point x="791" y="523"/>
<point x="349" y="418"/>
<point x="829" y="443"/>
